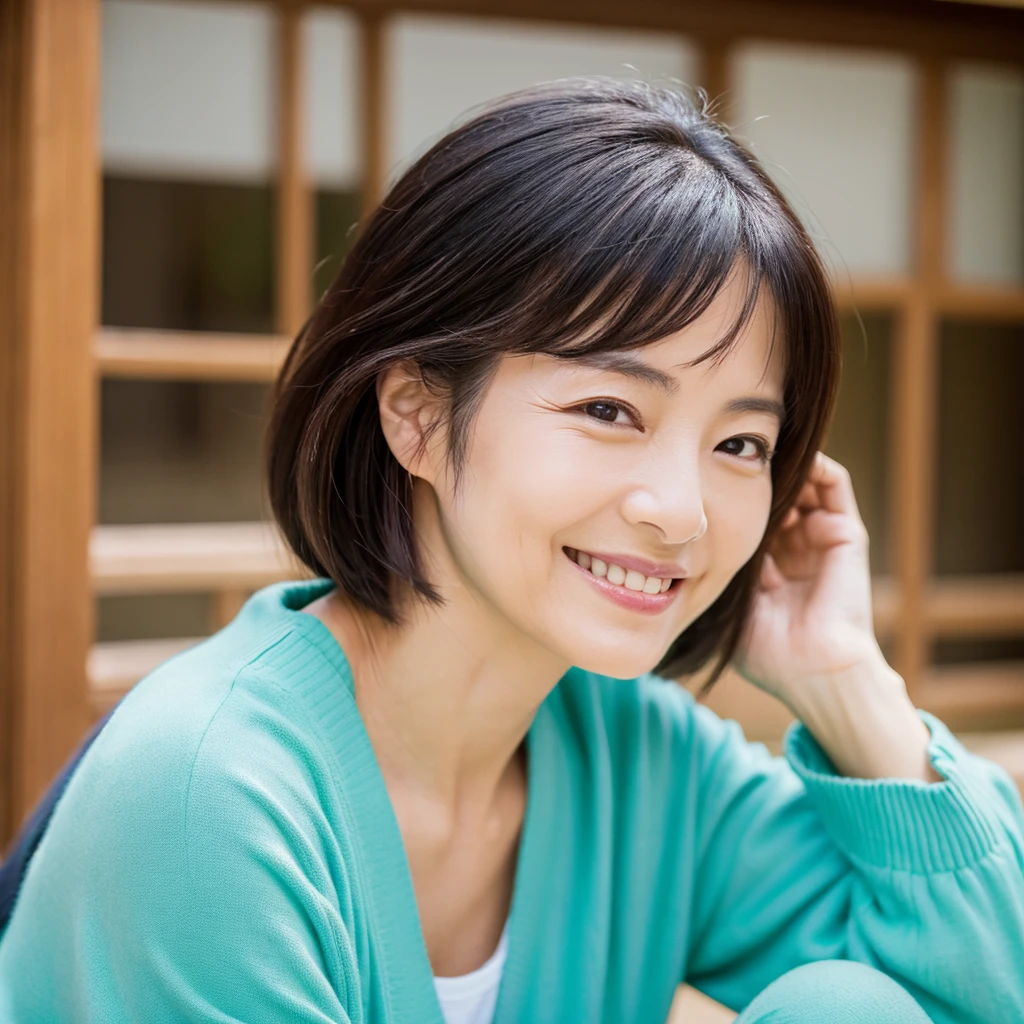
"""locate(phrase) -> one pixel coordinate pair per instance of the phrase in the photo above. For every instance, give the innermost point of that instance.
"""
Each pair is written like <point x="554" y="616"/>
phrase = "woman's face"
<point x="641" y="460"/>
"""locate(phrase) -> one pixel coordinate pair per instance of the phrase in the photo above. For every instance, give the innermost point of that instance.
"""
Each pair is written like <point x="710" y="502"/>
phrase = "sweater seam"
<point x="245" y="663"/>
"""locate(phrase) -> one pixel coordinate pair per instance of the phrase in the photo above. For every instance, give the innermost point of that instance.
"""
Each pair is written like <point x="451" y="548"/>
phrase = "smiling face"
<point x="585" y="486"/>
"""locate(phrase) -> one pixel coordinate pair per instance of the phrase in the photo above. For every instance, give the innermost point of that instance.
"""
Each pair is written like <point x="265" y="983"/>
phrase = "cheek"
<point x="738" y="525"/>
<point x="521" y="487"/>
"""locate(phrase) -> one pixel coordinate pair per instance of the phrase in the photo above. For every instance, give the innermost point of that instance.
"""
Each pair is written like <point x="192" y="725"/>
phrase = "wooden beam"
<point x="981" y="303"/>
<point x="915" y="26"/>
<point x="188" y="355"/>
<point x="975" y="696"/>
<point x="183" y="557"/>
<point x="295" y="205"/>
<point x="878" y="294"/>
<point x="49" y="287"/>
<point x="976" y="606"/>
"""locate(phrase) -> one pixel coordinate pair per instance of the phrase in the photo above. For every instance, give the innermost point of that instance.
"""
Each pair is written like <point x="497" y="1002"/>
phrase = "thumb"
<point x="771" y="577"/>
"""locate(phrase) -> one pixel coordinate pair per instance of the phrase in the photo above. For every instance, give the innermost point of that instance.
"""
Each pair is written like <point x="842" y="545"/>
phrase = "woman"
<point x="549" y="441"/>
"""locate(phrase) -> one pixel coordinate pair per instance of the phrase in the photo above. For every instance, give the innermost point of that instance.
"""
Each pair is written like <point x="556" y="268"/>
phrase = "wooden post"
<point x="294" y="255"/>
<point x="715" y="77"/>
<point x="49" y="206"/>
<point x="915" y="381"/>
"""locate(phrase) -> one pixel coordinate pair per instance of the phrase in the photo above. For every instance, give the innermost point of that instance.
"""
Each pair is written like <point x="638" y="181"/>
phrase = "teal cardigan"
<point x="226" y="851"/>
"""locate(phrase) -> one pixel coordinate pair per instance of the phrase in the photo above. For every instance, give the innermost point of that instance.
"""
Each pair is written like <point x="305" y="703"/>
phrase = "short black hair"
<point x="572" y="217"/>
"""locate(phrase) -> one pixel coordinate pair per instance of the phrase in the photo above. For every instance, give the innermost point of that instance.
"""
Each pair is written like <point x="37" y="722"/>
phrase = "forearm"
<point x="864" y="720"/>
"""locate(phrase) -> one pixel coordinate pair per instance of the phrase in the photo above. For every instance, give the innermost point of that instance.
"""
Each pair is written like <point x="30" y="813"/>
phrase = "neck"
<point x="447" y="699"/>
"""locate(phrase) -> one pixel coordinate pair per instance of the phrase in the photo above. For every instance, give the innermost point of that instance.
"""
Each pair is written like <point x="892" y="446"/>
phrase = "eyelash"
<point x="765" y="451"/>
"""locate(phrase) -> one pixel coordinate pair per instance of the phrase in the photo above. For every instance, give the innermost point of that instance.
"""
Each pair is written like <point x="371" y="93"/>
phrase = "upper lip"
<point x="663" y="570"/>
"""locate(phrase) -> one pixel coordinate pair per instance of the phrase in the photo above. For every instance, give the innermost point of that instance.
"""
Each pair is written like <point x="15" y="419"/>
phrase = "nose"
<point x="670" y="500"/>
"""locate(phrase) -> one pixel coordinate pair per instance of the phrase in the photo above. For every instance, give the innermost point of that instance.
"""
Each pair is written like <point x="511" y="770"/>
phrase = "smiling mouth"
<point x="627" y="579"/>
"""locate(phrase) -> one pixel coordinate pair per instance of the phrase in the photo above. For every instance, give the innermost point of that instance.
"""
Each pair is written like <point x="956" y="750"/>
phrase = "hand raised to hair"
<point x="812" y="619"/>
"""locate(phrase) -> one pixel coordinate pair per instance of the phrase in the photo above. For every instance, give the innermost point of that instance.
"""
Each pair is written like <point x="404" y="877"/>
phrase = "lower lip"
<point x="634" y="600"/>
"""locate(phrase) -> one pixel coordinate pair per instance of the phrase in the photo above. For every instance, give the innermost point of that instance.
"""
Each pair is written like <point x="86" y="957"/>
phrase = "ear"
<point x="408" y="409"/>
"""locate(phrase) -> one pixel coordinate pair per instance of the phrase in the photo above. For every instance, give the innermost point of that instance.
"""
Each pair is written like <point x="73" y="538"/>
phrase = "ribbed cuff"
<point x="903" y="824"/>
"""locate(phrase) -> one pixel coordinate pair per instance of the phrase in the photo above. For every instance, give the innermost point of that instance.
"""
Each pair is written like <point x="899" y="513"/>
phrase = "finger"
<point x="833" y="485"/>
<point x="808" y="497"/>
<point x="809" y="500"/>
<point x="825" y="529"/>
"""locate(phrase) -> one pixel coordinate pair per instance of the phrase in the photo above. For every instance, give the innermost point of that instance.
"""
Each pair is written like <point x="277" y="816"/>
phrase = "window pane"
<point x="859" y="438"/>
<point x="442" y="66"/>
<point x="980" y="483"/>
<point x="987" y="166"/>
<point x="187" y="255"/>
<point x="188" y="140"/>
<point x="187" y="89"/>
<point x="332" y="47"/>
<point x="834" y="128"/>
<point x="181" y="451"/>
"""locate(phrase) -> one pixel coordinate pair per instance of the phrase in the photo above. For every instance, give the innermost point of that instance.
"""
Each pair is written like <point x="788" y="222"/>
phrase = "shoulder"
<point x="211" y="742"/>
<point x="208" y="792"/>
<point x="200" y="841"/>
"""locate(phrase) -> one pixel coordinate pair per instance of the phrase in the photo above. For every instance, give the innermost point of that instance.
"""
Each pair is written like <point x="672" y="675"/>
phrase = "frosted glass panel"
<point x="834" y="128"/>
<point x="440" y="67"/>
<point x="331" y="38"/>
<point x="987" y="140"/>
<point x="187" y="89"/>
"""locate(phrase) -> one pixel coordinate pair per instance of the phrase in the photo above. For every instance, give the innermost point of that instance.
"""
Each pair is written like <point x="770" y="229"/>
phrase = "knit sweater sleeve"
<point x="796" y="863"/>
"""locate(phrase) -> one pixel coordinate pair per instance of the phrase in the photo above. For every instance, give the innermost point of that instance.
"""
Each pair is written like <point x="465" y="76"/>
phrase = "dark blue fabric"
<point x="12" y="871"/>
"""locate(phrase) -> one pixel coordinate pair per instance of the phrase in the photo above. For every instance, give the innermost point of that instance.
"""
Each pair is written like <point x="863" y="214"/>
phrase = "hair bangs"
<point x="653" y="268"/>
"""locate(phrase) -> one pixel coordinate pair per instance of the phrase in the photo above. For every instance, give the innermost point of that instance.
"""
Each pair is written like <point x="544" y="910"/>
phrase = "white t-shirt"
<point x="470" y="998"/>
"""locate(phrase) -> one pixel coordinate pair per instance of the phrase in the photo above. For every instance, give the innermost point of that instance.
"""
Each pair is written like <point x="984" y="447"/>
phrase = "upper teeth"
<point x="629" y="578"/>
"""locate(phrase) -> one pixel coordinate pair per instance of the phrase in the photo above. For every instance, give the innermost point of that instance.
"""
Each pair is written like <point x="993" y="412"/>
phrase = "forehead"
<point x="756" y="353"/>
<point x="755" y="357"/>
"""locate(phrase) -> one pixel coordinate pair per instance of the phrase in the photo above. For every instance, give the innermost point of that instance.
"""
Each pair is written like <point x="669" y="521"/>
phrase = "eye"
<point x="607" y="411"/>
<point x="762" y="451"/>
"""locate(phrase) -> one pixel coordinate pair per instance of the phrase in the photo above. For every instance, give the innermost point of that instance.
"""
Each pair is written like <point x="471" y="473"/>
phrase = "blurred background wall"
<point x="181" y="179"/>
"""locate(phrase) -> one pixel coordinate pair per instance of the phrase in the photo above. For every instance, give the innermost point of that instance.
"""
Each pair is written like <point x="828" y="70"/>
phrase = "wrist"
<point x="863" y="718"/>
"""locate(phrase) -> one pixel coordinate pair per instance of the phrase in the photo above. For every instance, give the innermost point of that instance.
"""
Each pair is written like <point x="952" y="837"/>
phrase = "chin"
<point x="617" y="665"/>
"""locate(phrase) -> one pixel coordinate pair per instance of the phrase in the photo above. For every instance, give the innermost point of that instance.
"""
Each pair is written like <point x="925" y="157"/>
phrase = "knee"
<point x="834" y="992"/>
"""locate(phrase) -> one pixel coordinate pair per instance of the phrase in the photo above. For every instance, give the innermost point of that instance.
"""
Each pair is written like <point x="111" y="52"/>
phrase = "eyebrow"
<point x="630" y="366"/>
